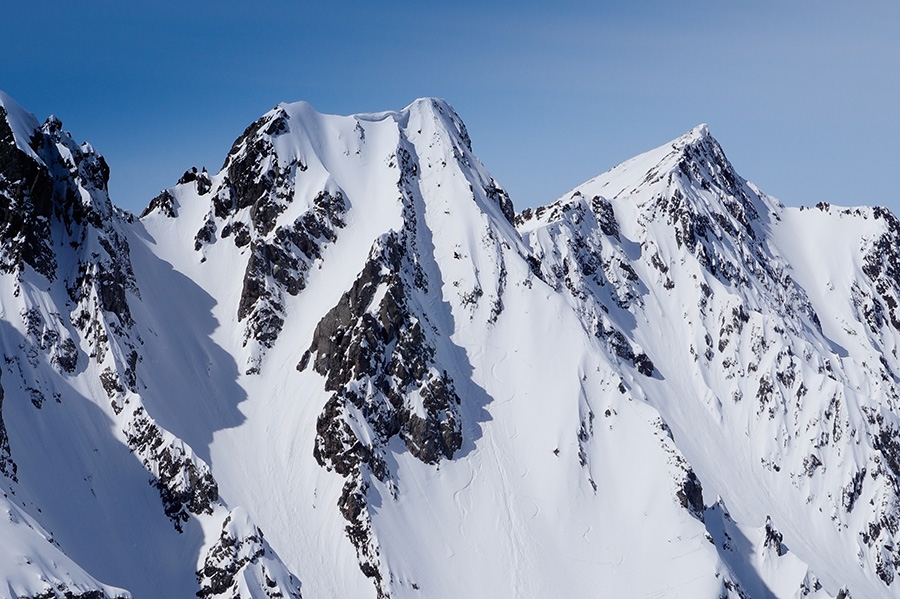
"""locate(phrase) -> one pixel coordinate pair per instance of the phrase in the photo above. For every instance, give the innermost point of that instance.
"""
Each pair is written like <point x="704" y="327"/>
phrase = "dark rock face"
<point x="376" y="356"/>
<point x="200" y="179"/>
<point x="253" y="183"/>
<point x="26" y="205"/>
<point x="256" y="179"/>
<point x="385" y="345"/>
<point x="691" y="495"/>
<point x="233" y="554"/>
<point x="50" y="337"/>
<point x="185" y="486"/>
<point x="106" y="275"/>
<point x="606" y="217"/>
<point x="881" y="264"/>
<point x="279" y="264"/>
<point x="206" y="234"/>
<point x="688" y="489"/>
<point x="7" y="465"/>
<point x="499" y="196"/>
<point x="618" y="344"/>
<point x="164" y="202"/>
<point x="258" y="187"/>
<point x="376" y="351"/>
<point x="32" y="195"/>
<point x="774" y="539"/>
<point x="62" y="592"/>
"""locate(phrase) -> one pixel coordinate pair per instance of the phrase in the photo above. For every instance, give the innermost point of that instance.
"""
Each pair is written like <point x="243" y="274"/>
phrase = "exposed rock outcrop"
<point x="240" y="564"/>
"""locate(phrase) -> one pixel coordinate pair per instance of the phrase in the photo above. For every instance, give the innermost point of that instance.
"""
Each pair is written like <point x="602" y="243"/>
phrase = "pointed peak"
<point x="52" y="124"/>
<point x="699" y="157"/>
<point x="694" y="154"/>
<point x="692" y="168"/>
<point x="701" y="131"/>
<point x="698" y="137"/>
<point x="430" y="105"/>
<point x="439" y="111"/>
<point x="16" y="112"/>
<point x="22" y="125"/>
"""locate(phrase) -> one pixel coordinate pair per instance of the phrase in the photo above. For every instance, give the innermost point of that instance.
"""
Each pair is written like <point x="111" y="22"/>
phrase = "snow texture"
<point x="342" y="365"/>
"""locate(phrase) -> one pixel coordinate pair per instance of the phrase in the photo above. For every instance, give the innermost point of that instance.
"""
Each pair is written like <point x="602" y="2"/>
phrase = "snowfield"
<point x="344" y="366"/>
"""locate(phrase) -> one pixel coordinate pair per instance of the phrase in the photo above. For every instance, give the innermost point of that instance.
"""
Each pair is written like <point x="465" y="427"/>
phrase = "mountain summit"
<point x="343" y="365"/>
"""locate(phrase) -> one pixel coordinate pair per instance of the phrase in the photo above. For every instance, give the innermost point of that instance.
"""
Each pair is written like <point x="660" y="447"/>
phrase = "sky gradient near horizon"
<point x="804" y="97"/>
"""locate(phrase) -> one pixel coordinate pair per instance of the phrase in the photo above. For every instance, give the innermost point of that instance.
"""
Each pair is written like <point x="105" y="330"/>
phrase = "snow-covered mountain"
<point x="343" y="366"/>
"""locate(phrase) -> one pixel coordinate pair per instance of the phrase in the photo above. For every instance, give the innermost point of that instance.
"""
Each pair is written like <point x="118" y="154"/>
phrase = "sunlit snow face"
<point x="664" y="380"/>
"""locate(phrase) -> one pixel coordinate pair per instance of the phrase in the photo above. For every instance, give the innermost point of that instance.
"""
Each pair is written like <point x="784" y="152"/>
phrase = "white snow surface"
<point x="668" y="382"/>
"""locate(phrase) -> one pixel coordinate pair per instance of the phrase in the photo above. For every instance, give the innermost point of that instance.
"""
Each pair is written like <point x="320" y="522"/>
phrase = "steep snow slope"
<point x="659" y="385"/>
<point x="380" y="257"/>
<point x="79" y="447"/>
<point x="770" y="332"/>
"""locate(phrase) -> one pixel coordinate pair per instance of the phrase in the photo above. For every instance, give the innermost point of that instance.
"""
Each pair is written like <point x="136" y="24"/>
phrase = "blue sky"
<point x="803" y="96"/>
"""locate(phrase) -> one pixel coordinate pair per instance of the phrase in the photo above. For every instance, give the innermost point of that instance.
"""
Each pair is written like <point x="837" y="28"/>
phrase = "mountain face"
<point x="343" y="365"/>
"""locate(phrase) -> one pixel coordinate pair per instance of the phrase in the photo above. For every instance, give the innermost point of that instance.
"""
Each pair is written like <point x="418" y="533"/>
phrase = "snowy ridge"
<point x="72" y="350"/>
<point x="753" y="352"/>
<point x="347" y="338"/>
<point x="405" y="293"/>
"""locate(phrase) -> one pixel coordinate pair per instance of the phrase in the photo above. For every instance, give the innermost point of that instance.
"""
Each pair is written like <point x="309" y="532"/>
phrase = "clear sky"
<point x="803" y="95"/>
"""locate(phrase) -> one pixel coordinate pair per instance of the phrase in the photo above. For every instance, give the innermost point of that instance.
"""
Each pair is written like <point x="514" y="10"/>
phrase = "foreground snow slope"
<point x="346" y="367"/>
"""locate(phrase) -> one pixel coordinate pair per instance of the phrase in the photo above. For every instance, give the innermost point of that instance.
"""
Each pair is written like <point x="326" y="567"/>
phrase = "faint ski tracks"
<point x="434" y="512"/>
<point x="490" y="370"/>
<point x="464" y="511"/>
<point x="513" y="522"/>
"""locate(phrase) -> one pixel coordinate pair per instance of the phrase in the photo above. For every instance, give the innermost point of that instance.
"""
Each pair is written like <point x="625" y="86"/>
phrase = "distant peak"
<point x="698" y="132"/>
<point x="52" y="124"/>
<point x="699" y="157"/>
<point x="440" y="111"/>
<point x="696" y="147"/>
<point x="429" y="104"/>
<point x="698" y="136"/>
<point x="22" y="125"/>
